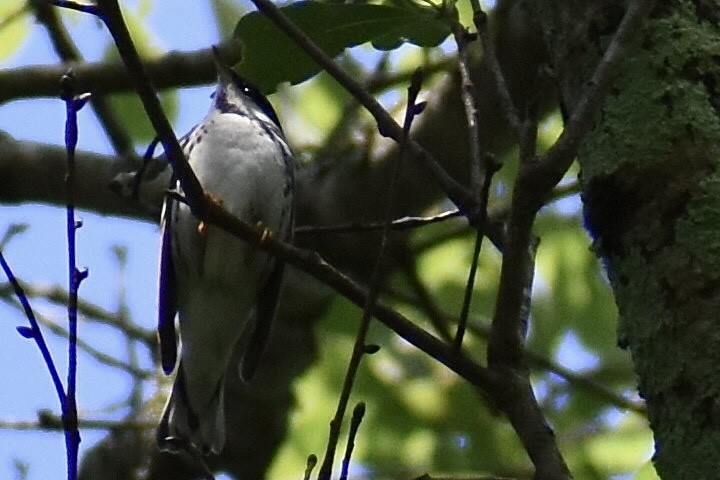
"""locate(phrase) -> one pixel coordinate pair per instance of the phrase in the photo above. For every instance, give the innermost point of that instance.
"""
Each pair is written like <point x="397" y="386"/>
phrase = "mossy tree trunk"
<point x="651" y="191"/>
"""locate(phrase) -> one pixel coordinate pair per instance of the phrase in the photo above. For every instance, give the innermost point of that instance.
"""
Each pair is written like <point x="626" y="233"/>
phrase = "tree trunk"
<point x="652" y="203"/>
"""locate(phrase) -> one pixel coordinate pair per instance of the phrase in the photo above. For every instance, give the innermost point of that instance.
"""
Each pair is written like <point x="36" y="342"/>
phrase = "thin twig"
<point x="357" y="416"/>
<point x="360" y="348"/>
<point x="482" y="168"/>
<point x="73" y="104"/>
<point x="51" y="422"/>
<point x="88" y="311"/>
<point x="583" y="381"/>
<point x="34" y="331"/>
<point x="537" y="361"/>
<point x="468" y="94"/>
<point x="507" y="106"/>
<point x="404" y="223"/>
<point x="309" y="466"/>
<point x="469" y="288"/>
<point x="93" y="352"/>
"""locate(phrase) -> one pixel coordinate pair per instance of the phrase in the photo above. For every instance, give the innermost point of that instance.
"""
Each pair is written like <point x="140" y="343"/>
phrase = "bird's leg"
<point x="265" y="233"/>
<point x="202" y="228"/>
<point x="217" y="201"/>
<point x="175" y="194"/>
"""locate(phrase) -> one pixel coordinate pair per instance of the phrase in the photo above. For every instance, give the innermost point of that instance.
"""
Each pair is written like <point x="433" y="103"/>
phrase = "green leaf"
<point x="270" y="57"/>
<point x="133" y="117"/>
<point x="15" y="23"/>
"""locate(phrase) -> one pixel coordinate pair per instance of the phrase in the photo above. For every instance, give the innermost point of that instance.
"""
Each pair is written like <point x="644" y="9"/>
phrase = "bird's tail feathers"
<point x="186" y="427"/>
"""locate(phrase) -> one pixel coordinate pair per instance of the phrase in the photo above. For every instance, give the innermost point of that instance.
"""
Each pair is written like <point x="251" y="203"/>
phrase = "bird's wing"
<point x="167" y="304"/>
<point x="265" y="310"/>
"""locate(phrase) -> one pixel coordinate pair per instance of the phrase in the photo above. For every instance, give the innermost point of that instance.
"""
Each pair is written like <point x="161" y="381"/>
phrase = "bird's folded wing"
<point x="167" y="304"/>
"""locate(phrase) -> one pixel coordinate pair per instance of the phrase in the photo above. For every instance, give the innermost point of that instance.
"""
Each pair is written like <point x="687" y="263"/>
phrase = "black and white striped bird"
<point x="212" y="280"/>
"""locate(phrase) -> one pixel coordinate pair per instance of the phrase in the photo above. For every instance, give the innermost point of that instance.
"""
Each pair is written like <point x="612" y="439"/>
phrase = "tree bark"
<point x="651" y="193"/>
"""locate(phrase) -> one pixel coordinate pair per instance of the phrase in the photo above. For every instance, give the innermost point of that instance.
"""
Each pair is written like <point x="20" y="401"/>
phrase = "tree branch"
<point x="171" y="70"/>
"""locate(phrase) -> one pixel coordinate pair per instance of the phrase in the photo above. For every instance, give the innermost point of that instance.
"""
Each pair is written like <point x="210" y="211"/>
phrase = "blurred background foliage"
<point x="420" y="416"/>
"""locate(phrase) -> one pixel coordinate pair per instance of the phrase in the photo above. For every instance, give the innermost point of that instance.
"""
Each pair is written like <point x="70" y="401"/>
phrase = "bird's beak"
<point x="223" y="69"/>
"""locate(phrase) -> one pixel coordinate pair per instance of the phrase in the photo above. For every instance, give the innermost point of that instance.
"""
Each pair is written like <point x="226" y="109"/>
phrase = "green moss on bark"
<point x="646" y="116"/>
<point x="699" y="230"/>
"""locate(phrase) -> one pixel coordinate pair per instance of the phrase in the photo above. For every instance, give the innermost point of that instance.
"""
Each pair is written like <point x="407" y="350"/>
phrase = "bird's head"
<point x="234" y="94"/>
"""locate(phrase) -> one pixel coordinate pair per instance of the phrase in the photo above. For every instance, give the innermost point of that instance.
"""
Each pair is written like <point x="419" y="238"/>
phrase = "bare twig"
<point x="73" y="104"/>
<point x="472" y="116"/>
<point x="69" y="418"/>
<point x="489" y="54"/>
<point x="357" y="416"/>
<point x="469" y="288"/>
<point x="359" y="348"/>
<point x="479" y="326"/>
<point x="101" y="357"/>
<point x="34" y="331"/>
<point x="482" y="167"/>
<point x="51" y="422"/>
<point x="89" y="311"/>
<point x="404" y="223"/>
<point x="310" y="465"/>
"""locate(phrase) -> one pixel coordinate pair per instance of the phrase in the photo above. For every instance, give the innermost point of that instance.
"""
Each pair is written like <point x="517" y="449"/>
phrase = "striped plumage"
<point x="212" y="280"/>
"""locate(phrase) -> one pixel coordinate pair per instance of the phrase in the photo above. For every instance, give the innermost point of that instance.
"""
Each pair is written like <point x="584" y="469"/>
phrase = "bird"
<point x="221" y="288"/>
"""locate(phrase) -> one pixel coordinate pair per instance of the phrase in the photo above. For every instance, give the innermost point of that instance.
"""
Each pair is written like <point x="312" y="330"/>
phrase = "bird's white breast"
<point x="242" y="167"/>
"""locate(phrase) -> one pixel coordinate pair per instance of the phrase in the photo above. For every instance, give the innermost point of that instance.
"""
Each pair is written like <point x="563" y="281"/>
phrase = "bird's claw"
<point x="218" y="202"/>
<point x="211" y="198"/>
<point x="265" y="233"/>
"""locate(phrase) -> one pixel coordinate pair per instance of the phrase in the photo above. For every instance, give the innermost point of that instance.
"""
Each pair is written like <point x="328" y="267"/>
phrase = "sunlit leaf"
<point x="15" y="22"/>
